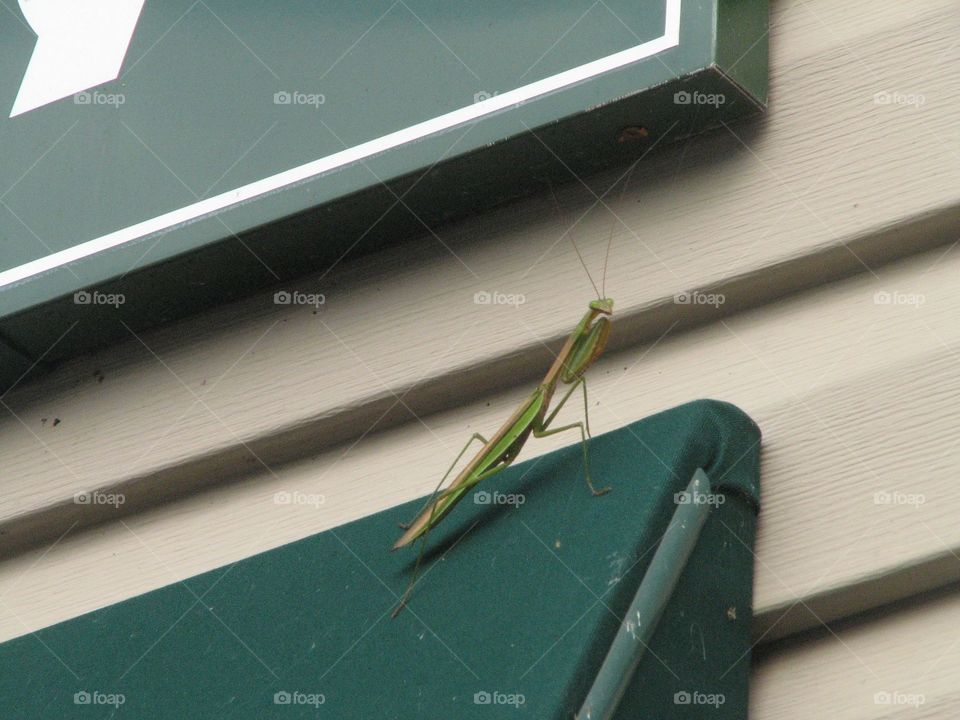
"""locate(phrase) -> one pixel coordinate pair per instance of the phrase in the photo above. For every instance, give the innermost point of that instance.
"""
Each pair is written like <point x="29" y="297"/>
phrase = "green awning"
<point x="525" y="588"/>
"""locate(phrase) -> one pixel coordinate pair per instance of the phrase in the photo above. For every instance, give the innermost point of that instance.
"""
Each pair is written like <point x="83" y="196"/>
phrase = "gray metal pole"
<point x="652" y="597"/>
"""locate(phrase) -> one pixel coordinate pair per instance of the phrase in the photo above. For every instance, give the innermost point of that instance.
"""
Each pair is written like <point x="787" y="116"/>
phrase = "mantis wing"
<point x="497" y="454"/>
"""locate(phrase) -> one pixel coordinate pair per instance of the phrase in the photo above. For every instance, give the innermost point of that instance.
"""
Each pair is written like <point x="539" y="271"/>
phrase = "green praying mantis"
<point x="582" y="347"/>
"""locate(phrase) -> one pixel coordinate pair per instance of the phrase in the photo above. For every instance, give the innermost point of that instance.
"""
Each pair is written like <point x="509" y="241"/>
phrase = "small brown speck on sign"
<point x="43" y="421"/>
<point x="632" y="133"/>
<point x="731" y="613"/>
<point x="56" y="421"/>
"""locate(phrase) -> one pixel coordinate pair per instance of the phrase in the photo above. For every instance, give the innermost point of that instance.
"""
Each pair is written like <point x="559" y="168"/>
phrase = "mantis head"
<point x="604" y="306"/>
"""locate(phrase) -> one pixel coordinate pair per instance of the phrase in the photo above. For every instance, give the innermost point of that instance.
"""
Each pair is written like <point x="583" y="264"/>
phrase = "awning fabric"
<point x="524" y="588"/>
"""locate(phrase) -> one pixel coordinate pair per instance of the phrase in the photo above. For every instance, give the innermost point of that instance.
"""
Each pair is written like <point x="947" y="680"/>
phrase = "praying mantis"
<point x="582" y="347"/>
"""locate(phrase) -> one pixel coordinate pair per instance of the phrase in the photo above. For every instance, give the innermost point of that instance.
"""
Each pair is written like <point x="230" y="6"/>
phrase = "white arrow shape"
<point x="80" y="44"/>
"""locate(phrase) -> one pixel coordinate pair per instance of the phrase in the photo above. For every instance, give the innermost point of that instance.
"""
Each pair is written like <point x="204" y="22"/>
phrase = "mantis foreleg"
<point x="542" y="431"/>
<point x="582" y="381"/>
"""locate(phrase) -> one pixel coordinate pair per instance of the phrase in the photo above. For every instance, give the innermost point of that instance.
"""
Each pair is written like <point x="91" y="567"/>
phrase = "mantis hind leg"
<point x="542" y="431"/>
<point x="413" y="581"/>
<point x="475" y="436"/>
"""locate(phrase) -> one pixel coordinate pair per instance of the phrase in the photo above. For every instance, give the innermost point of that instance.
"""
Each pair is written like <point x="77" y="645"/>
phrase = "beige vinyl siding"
<point x="895" y="665"/>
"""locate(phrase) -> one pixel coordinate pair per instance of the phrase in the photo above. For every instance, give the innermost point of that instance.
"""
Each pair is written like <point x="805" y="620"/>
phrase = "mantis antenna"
<point x="623" y="194"/>
<point x="574" y="243"/>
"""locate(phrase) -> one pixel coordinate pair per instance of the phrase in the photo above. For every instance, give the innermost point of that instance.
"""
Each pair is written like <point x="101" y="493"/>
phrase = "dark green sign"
<point x="161" y="156"/>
